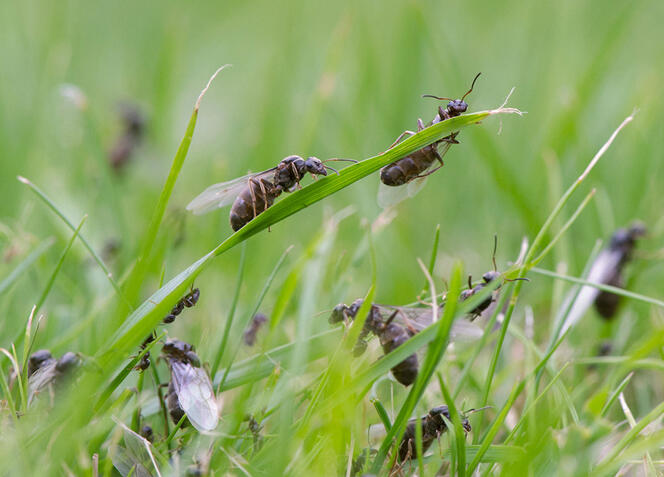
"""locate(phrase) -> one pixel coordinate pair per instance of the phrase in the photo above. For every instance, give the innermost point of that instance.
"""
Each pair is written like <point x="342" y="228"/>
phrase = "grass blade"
<point x="25" y="264"/>
<point x="51" y="279"/>
<point x="51" y="205"/>
<point x="138" y="273"/>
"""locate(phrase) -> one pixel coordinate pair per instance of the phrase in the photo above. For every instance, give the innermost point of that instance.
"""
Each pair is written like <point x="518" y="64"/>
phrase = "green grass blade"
<point x="138" y="273"/>
<point x="607" y="288"/>
<point x="261" y="297"/>
<point x="25" y="264"/>
<point x="434" y="354"/>
<point x="614" y="395"/>
<point x="51" y="205"/>
<point x="630" y="436"/>
<point x="231" y="313"/>
<point x="495" y="427"/>
<point x="53" y="276"/>
<point x="457" y="428"/>
<point x="434" y="254"/>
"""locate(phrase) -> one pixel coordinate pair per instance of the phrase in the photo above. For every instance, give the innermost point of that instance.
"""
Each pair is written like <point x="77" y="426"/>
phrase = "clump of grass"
<point x="298" y="404"/>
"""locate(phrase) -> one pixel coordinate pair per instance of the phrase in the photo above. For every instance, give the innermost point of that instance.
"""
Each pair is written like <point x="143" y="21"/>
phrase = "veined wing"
<point x="391" y="195"/>
<point x="224" y="193"/>
<point x="600" y="272"/>
<point x="195" y="394"/>
<point x="136" y="458"/>
<point x="126" y="463"/>
<point x="420" y="318"/>
<point x="40" y="380"/>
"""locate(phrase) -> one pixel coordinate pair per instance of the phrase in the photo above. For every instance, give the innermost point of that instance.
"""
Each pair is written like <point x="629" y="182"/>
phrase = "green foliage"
<point x="339" y="79"/>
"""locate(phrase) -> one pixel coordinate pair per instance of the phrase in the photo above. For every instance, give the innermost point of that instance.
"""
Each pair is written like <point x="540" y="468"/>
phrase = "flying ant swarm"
<point x="414" y="168"/>
<point x="253" y="194"/>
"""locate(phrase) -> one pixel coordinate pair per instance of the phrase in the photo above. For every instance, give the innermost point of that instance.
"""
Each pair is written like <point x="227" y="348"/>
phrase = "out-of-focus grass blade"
<point x="260" y="366"/>
<point x="51" y="205"/>
<point x="495" y="427"/>
<point x="25" y="264"/>
<point x="629" y="437"/>
<point x="495" y="454"/>
<point x="51" y="279"/>
<point x="607" y="288"/>
<point x="614" y="395"/>
<point x="231" y="313"/>
<point x="266" y="287"/>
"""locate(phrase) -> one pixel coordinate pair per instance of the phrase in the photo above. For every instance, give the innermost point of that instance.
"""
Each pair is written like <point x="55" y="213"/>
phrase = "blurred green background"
<point x="331" y="79"/>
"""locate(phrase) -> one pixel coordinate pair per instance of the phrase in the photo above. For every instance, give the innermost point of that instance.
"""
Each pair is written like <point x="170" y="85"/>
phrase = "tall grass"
<point x="332" y="80"/>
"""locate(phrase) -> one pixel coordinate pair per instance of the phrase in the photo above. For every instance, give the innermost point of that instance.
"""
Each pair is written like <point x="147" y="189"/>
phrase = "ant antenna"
<point x="436" y="97"/>
<point x="495" y="247"/>
<point x="470" y="282"/>
<point x="523" y="279"/>
<point x="471" y="86"/>
<point x="331" y="168"/>
<point x="471" y="411"/>
<point x="340" y="159"/>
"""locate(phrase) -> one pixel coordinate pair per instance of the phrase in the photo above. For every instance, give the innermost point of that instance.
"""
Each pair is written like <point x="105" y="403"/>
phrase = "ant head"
<point x="490" y="276"/>
<point x="457" y="106"/>
<point x="314" y="165"/>
<point x="438" y="410"/>
<point x="68" y="361"/>
<point x="193" y="358"/>
<point x="338" y="314"/>
<point x="174" y="346"/>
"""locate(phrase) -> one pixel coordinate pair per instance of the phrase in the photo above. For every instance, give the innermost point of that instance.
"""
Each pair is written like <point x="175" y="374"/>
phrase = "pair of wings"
<point x="41" y="379"/>
<point x="600" y="273"/>
<point x="195" y="395"/>
<point x="224" y="193"/>
<point x="420" y="318"/>
<point x="389" y="196"/>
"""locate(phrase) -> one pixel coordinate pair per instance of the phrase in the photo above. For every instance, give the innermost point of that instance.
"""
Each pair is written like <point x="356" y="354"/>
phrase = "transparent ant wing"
<point x="220" y="195"/>
<point x="136" y="457"/>
<point x="601" y="271"/>
<point x="416" y="319"/>
<point x="389" y="196"/>
<point x="126" y="463"/>
<point x="40" y="380"/>
<point x="195" y="395"/>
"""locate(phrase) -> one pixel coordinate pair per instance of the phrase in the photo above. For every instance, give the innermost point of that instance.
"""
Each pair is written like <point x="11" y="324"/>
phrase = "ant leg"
<point x="264" y="191"/>
<point x="407" y="322"/>
<point x="401" y="136"/>
<point x="420" y="124"/>
<point x="252" y="181"/>
<point x="297" y="176"/>
<point x="451" y="138"/>
<point x="428" y="173"/>
<point x="439" y="158"/>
